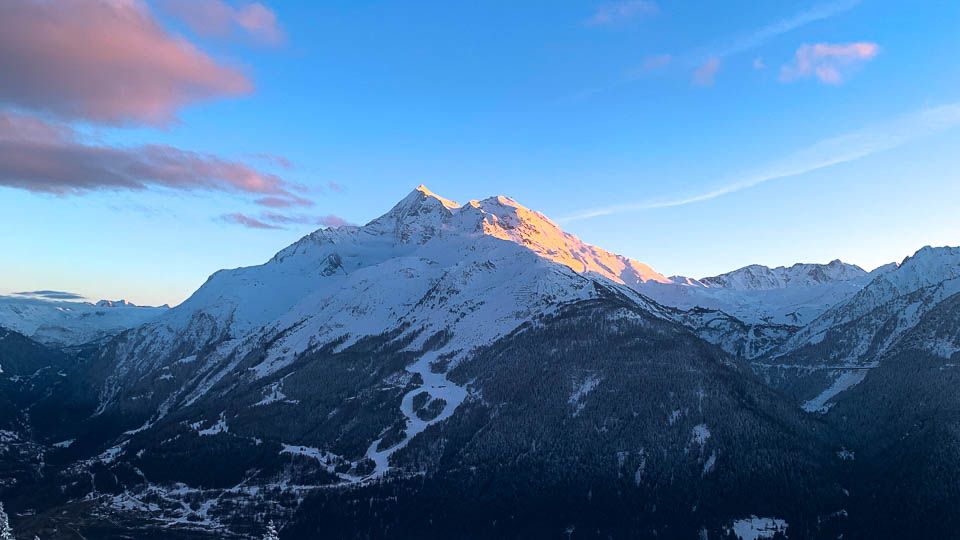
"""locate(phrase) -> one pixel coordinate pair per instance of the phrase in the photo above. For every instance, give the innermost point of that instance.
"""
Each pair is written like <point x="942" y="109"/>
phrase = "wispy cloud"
<point x="760" y="36"/>
<point x="332" y="221"/>
<point x="828" y="62"/>
<point x="50" y="295"/>
<point x="614" y="12"/>
<point x="250" y="222"/>
<point x="329" y="220"/>
<point x="835" y="150"/>
<point x="704" y="63"/>
<point x="287" y="200"/>
<point x="707" y="72"/>
<point x="217" y="18"/>
<point x="713" y="56"/>
<point x="271" y="220"/>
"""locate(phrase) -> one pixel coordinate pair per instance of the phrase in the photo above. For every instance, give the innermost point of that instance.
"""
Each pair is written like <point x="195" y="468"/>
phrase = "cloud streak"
<point x="249" y="222"/>
<point x="271" y="220"/>
<point x="833" y="151"/>
<point x="46" y="157"/>
<point x="766" y="33"/>
<point x="50" y="295"/>
<point x="704" y="63"/>
<point x="103" y="61"/>
<point x="708" y="64"/>
<point x="216" y="18"/>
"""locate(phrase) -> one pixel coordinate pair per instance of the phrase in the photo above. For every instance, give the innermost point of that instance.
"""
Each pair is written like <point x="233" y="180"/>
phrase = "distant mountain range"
<point x="66" y="323"/>
<point x="471" y="370"/>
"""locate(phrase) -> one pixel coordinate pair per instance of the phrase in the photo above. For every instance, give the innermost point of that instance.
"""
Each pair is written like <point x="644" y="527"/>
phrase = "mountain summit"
<point x="758" y="277"/>
<point x="423" y="214"/>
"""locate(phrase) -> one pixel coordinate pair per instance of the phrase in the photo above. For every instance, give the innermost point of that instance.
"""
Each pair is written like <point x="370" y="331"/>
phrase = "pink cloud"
<point x="102" y="61"/>
<point x="250" y="222"/>
<point x="614" y="12"/>
<point x="272" y="220"/>
<point x="45" y="157"/>
<point x="326" y="221"/>
<point x="830" y="63"/>
<point x="332" y="221"/>
<point x="705" y="74"/>
<point x="288" y="200"/>
<point x="335" y="186"/>
<point x="217" y="18"/>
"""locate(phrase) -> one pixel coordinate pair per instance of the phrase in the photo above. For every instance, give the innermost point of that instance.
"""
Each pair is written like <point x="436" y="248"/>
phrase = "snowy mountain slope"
<point x="422" y="228"/>
<point x="63" y="323"/>
<point x="427" y="271"/>
<point x="902" y="294"/>
<point x="603" y="389"/>
<point x="606" y="401"/>
<point x="903" y="423"/>
<point x="758" y="277"/>
<point x="759" y="295"/>
<point x="836" y="351"/>
<point x="743" y="340"/>
<point x="489" y="264"/>
<point x="450" y="358"/>
<point x="324" y="365"/>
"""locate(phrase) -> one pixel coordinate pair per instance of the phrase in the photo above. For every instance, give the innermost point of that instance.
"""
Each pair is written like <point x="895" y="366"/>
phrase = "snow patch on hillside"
<point x="699" y="434"/>
<point x="274" y="394"/>
<point x="755" y="528"/>
<point x="845" y="380"/>
<point x="219" y="427"/>
<point x="580" y="392"/>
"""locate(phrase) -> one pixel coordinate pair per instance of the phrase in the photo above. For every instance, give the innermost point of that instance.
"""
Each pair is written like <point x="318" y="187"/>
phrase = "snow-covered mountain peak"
<point x="896" y="298"/>
<point x="423" y="192"/>
<point x="424" y="217"/>
<point x="416" y="219"/>
<point x="927" y="267"/>
<point x="759" y="277"/>
<point x="115" y="303"/>
<point x="420" y="201"/>
<point x="380" y="268"/>
<point x="793" y="295"/>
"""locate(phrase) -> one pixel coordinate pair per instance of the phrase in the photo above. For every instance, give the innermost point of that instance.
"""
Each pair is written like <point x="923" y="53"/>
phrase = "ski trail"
<point x="435" y="384"/>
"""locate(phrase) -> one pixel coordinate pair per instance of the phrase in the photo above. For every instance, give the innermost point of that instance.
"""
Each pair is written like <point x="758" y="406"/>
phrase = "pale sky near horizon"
<point x="697" y="137"/>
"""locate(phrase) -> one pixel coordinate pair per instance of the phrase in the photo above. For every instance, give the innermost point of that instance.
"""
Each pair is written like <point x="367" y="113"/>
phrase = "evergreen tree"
<point x="6" y="533"/>
<point x="271" y="533"/>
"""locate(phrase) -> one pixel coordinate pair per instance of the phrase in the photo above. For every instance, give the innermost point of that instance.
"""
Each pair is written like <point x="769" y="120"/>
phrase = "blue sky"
<point x="593" y="113"/>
